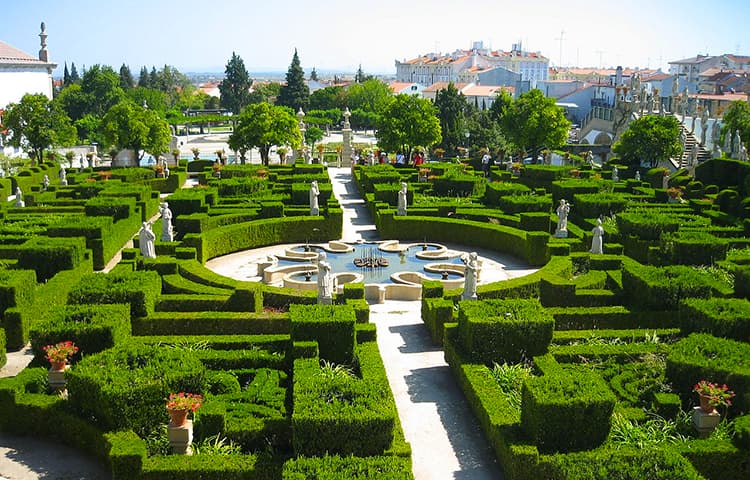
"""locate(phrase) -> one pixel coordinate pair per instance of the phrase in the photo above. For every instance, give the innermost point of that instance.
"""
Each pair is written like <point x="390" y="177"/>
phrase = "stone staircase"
<point x="690" y="143"/>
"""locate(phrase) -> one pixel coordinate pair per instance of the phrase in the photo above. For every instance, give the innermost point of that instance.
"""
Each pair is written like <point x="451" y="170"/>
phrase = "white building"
<point x="432" y="68"/>
<point x="20" y="73"/>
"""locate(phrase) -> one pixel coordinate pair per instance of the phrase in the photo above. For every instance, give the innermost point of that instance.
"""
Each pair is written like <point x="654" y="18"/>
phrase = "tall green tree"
<point x="533" y="122"/>
<point x="66" y="76"/>
<point x="649" y="140"/>
<point x="452" y="107"/>
<point x="235" y="88"/>
<point x="737" y="118"/>
<point x="143" y="78"/>
<point x="74" y="77"/>
<point x="263" y="125"/>
<point x="126" y="78"/>
<point x="35" y="124"/>
<point x="371" y="96"/>
<point x="359" y="77"/>
<point x="407" y="122"/>
<point x="130" y="126"/>
<point x="328" y="98"/>
<point x="101" y="86"/>
<point x="295" y="94"/>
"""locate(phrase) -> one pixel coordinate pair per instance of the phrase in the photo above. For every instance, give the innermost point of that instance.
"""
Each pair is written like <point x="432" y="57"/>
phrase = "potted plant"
<point x="282" y="151"/>
<point x="713" y="395"/>
<point x="180" y="404"/>
<point x="196" y="153"/>
<point x="59" y="353"/>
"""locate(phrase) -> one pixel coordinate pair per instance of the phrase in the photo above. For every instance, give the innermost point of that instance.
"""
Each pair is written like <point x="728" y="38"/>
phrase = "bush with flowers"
<point x="184" y="401"/>
<point x="718" y="395"/>
<point x="60" y="352"/>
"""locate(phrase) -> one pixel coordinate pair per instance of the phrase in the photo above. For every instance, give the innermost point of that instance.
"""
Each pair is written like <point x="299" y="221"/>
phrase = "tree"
<point x="737" y="117"/>
<point x="313" y="134"/>
<point x="101" y="86"/>
<point x="143" y="77"/>
<point x="126" y="78"/>
<point x="371" y="96"/>
<point x="153" y="78"/>
<point x="235" y="88"/>
<point x="328" y="98"/>
<point x="74" y="78"/>
<point x="66" y="76"/>
<point x="451" y="106"/>
<point x="263" y="125"/>
<point x="35" y="124"/>
<point x="359" y="77"/>
<point x="295" y="94"/>
<point x="314" y="75"/>
<point x="533" y="122"/>
<point x="127" y="125"/>
<point x="406" y="122"/>
<point x="648" y="140"/>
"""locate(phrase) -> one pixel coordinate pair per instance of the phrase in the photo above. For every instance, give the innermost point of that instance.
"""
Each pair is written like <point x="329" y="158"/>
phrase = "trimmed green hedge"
<point x="126" y="387"/>
<point x="721" y="317"/>
<point x="331" y="326"/>
<point x="503" y="330"/>
<point x="139" y="289"/>
<point x="556" y="405"/>
<point x="348" y="468"/>
<point x="47" y="256"/>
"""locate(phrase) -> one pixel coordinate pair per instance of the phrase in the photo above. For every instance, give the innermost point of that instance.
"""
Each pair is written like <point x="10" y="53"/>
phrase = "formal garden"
<point x="590" y="368"/>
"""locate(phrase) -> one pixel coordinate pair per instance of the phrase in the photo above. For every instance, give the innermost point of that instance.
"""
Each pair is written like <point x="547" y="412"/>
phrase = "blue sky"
<point x="341" y="34"/>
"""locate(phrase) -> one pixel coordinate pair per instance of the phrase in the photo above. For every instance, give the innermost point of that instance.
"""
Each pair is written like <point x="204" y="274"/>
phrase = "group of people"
<point x="399" y="160"/>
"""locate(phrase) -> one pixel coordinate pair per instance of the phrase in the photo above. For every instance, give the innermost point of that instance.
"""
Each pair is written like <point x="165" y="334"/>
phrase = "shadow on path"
<point x="27" y="458"/>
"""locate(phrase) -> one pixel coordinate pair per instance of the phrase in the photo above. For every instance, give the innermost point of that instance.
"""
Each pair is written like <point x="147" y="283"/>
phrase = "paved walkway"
<point x="446" y="440"/>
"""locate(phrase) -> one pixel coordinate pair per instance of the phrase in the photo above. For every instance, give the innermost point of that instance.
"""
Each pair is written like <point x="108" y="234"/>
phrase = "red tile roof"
<point x="10" y="54"/>
<point x="442" y="86"/>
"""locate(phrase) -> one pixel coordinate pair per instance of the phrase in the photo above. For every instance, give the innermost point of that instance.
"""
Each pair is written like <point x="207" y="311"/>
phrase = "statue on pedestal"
<point x="326" y="281"/>
<point x="562" y="219"/>
<point x="402" y="200"/>
<point x="167" y="233"/>
<point x="704" y="125"/>
<point x="314" y="192"/>
<point x="471" y="274"/>
<point x="146" y="239"/>
<point x="19" y="198"/>
<point x="598" y="241"/>
<point x="615" y="174"/>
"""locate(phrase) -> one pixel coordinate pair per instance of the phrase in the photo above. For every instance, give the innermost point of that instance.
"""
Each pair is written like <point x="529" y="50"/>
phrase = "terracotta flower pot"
<point x="177" y="418"/>
<point x="58" y="366"/>
<point x="705" y="401"/>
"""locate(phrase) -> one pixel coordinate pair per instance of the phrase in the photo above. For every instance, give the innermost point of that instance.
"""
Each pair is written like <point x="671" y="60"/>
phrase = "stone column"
<point x="347" y="151"/>
<point x="301" y="152"/>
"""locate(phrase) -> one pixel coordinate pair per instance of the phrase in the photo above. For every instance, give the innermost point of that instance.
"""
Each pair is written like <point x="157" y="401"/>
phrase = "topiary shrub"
<point x="503" y="330"/>
<point x="92" y="328"/>
<point x="139" y="289"/>
<point x="126" y="387"/>
<point x="556" y="405"/>
<point x="331" y="326"/>
<point x="721" y="317"/>
<point x="47" y="256"/>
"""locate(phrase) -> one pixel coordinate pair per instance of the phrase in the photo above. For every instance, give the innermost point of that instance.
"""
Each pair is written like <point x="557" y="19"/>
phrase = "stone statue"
<point x="615" y="174"/>
<point x="146" y="239"/>
<point x="743" y="154"/>
<point x="63" y="176"/>
<point x="562" y="219"/>
<point x="638" y="175"/>
<point x="471" y="274"/>
<point x="665" y="181"/>
<point x="45" y="182"/>
<point x="675" y="93"/>
<point x="314" y="192"/>
<point x="736" y="144"/>
<point x="598" y="240"/>
<point x="167" y="232"/>
<point x="402" y="200"/>
<point x="705" y="114"/>
<point x="694" y="156"/>
<point x="19" y="198"/>
<point x="326" y="282"/>
<point x="728" y="142"/>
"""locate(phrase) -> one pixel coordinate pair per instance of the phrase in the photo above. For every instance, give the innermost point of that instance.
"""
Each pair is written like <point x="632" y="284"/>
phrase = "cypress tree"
<point x="74" y="78"/>
<point x="126" y="78"/>
<point x="314" y="75"/>
<point x="235" y="88"/>
<point x="143" y="77"/>
<point x="295" y="94"/>
<point x="66" y="75"/>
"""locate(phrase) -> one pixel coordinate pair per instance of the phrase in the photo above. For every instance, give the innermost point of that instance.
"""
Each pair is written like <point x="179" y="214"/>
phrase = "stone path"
<point x="446" y="440"/>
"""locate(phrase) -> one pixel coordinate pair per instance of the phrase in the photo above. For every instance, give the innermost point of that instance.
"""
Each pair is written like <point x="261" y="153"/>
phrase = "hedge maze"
<point x="583" y="370"/>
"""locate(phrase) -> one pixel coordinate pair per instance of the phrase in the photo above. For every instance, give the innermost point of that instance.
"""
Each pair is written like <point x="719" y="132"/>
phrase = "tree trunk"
<point x="264" y="154"/>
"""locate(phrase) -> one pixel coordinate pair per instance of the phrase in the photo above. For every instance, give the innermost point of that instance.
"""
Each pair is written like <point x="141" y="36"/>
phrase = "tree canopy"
<point x="737" y="118"/>
<point x="263" y="125"/>
<point x="295" y="94"/>
<point x="36" y="124"/>
<point x="407" y="122"/>
<point x="533" y="122"/>
<point x="235" y="88"/>
<point x="452" y="108"/>
<point x="128" y="125"/>
<point x="648" y="140"/>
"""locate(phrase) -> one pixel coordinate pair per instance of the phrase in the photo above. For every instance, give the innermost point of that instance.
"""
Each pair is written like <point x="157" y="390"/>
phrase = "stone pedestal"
<point x="705" y="423"/>
<point x="56" y="379"/>
<point x="561" y="234"/>
<point x="181" y="438"/>
<point x="347" y="151"/>
<point x="381" y="294"/>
